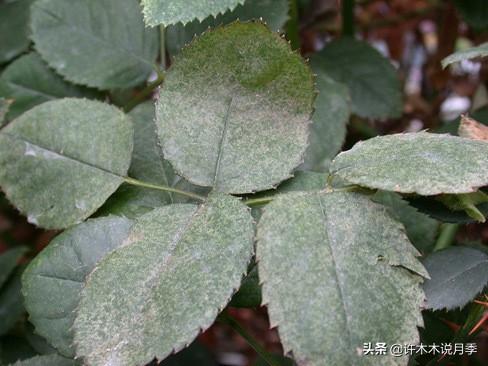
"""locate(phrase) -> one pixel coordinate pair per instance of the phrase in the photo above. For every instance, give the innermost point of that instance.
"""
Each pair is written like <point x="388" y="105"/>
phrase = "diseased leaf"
<point x="53" y="281"/>
<point x="168" y="282"/>
<point x="8" y="262"/>
<point x="99" y="43"/>
<point x="4" y="108"/>
<point x="169" y="12"/>
<point x="273" y="12"/>
<point x="321" y="258"/>
<point x="470" y="53"/>
<point x="240" y="123"/>
<point x="61" y="160"/>
<point x="421" y="229"/>
<point x="457" y="275"/>
<point x="328" y="132"/>
<point x="474" y="12"/>
<point x="14" y="29"/>
<point x="11" y="306"/>
<point x="422" y="163"/>
<point x="46" y="360"/>
<point x="28" y="81"/>
<point x="472" y="129"/>
<point x="371" y="78"/>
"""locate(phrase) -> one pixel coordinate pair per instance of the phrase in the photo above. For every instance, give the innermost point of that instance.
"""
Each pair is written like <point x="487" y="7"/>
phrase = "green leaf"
<point x="240" y="123"/>
<point x="466" y="202"/>
<point x="422" y="163"/>
<point x="371" y="78"/>
<point x="169" y="12"/>
<point x="11" y="305"/>
<point x="99" y="43"/>
<point x="194" y="355"/>
<point x="474" y="12"/>
<point x="53" y="281"/>
<point x="175" y="272"/>
<point x="332" y="108"/>
<point x="273" y="12"/>
<point x="14" y="29"/>
<point x="457" y="274"/>
<point x="46" y="360"/>
<point x="338" y="271"/>
<point x="28" y="81"/>
<point x="4" y="108"/>
<point x="470" y="53"/>
<point x="249" y="294"/>
<point x="421" y="229"/>
<point x="8" y="262"/>
<point x="61" y="160"/>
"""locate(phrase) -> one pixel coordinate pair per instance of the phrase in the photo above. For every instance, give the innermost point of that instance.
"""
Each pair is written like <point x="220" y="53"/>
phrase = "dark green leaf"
<point x="99" y="43"/>
<point x="338" y="271"/>
<point x="457" y="275"/>
<point x="332" y="108"/>
<point x="28" y="81"/>
<point x="11" y="304"/>
<point x="372" y="80"/>
<point x="53" y="281"/>
<point x="8" y="262"/>
<point x="240" y="123"/>
<point x="61" y="160"/>
<point x="474" y="12"/>
<point x="14" y="29"/>
<point x="175" y="272"/>
<point x="249" y="294"/>
<point x="194" y="355"/>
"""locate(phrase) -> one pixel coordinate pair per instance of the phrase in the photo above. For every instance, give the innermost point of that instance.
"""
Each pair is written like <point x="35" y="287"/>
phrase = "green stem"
<point x="348" y="18"/>
<point x="292" y="28"/>
<point x="162" y="41"/>
<point x="142" y="96"/>
<point x="234" y="324"/>
<point x="258" y="201"/>
<point x="446" y="236"/>
<point x="139" y="183"/>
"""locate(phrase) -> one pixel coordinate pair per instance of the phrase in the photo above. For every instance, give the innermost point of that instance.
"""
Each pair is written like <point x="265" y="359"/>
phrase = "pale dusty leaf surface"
<point x="169" y="280"/>
<point x="239" y="124"/>
<point x="422" y="163"/>
<point x="470" y="53"/>
<point x="322" y="257"/>
<point x="53" y="281"/>
<point x="61" y="160"/>
<point x="46" y="360"/>
<point x="169" y="12"/>
<point x="98" y="43"/>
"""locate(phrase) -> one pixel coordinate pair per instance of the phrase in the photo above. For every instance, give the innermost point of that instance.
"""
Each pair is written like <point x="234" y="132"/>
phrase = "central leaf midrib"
<point x="336" y="272"/>
<point x="63" y="156"/>
<point x="220" y="149"/>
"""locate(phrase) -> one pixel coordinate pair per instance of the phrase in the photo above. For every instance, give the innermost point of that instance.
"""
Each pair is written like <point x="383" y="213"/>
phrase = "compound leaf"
<point x="240" y="124"/>
<point x="169" y="12"/>
<point x="176" y="271"/>
<point x="422" y="163"/>
<point x="332" y="253"/>
<point x="61" y="160"/>
<point x="273" y="12"/>
<point x="53" y="281"/>
<point x="457" y="275"/>
<point x="371" y="78"/>
<point x="470" y="53"/>
<point x="14" y="28"/>
<point x="28" y="81"/>
<point x="332" y="109"/>
<point x="99" y="43"/>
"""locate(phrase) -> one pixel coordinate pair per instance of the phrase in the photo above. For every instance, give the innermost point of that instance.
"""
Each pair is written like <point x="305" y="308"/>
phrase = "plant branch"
<point x="348" y="18"/>
<point x="292" y="27"/>
<point x="143" y="94"/>
<point x="234" y="324"/>
<point x="139" y="183"/>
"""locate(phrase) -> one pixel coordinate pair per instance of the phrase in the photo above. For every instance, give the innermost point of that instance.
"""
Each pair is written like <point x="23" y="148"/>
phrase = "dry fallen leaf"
<point x="472" y="129"/>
